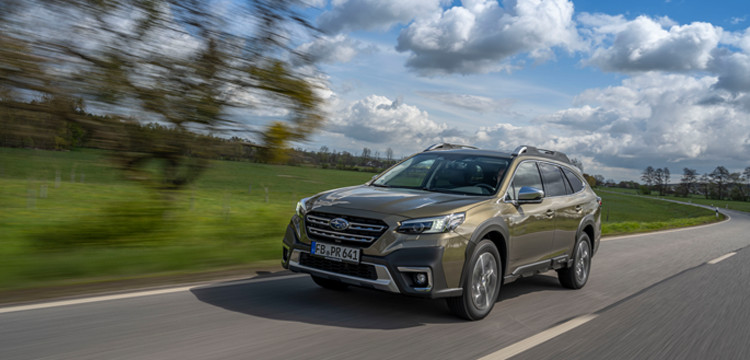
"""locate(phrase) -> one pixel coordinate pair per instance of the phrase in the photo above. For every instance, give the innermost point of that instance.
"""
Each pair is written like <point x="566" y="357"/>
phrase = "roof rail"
<point x="447" y="146"/>
<point x="519" y="150"/>
<point x="530" y="150"/>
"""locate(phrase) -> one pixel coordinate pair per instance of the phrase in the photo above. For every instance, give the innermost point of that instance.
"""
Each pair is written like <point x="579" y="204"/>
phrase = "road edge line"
<point x="135" y="294"/>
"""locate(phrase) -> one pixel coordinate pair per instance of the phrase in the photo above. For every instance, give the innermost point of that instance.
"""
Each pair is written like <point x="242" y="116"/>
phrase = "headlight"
<point x="432" y="225"/>
<point x="302" y="208"/>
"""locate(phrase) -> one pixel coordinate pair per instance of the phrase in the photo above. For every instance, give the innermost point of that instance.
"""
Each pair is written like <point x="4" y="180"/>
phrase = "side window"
<point x="527" y="174"/>
<point x="553" y="180"/>
<point x="575" y="181"/>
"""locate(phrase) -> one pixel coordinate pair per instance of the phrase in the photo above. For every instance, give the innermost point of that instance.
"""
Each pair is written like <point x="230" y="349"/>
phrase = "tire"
<point x="576" y="276"/>
<point x="482" y="280"/>
<point x="329" y="284"/>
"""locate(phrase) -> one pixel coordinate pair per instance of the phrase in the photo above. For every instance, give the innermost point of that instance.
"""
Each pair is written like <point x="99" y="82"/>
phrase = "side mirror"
<point x="529" y="194"/>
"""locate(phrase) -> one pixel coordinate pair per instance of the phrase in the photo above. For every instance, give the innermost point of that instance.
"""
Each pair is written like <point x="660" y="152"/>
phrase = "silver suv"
<point x="451" y="222"/>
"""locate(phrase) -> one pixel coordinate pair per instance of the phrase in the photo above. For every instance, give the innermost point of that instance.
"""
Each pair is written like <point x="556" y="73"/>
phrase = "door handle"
<point x="550" y="213"/>
<point x="578" y="208"/>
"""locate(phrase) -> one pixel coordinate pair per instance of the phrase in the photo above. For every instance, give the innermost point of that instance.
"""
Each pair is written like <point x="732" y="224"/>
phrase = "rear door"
<point x="569" y="211"/>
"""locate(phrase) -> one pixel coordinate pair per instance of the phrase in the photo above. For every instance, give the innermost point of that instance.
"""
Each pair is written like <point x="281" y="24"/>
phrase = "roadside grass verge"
<point x="69" y="218"/>
<point x="624" y="214"/>
<point x="695" y="199"/>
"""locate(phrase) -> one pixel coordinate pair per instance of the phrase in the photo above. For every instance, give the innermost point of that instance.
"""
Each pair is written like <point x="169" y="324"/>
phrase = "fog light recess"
<point x="418" y="278"/>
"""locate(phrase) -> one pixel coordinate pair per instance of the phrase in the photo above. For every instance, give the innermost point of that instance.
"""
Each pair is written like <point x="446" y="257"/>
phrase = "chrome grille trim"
<point x="318" y="220"/>
<point x="360" y="232"/>
<point x="352" y="225"/>
<point x="341" y="236"/>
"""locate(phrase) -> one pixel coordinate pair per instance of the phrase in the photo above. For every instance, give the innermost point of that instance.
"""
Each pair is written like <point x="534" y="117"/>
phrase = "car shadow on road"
<point x="541" y="282"/>
<point x="298" y="299"/>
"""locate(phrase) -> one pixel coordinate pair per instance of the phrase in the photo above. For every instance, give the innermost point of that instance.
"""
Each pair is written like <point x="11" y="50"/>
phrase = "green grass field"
<point x="68" y="217"/>
<point x="92" y="225"/>
<point x="623" y="213"/>
<point x="696" y="199"/>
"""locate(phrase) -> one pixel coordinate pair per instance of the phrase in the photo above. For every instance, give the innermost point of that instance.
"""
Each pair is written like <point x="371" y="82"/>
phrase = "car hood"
<point x="410" y="203"/>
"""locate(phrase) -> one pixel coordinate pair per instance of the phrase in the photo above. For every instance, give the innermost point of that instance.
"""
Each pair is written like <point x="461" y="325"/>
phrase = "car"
<point x="452" y="222"/>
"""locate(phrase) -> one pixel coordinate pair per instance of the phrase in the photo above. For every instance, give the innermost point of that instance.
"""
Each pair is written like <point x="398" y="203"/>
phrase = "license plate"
<point x="335" y="252"/>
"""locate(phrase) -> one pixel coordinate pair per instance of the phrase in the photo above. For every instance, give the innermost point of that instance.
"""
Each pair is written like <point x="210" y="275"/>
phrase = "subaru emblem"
<point x="339" y="224"/>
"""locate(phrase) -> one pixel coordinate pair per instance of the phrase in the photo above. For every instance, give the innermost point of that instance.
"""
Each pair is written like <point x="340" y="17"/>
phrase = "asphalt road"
<point x="649" y="296"/>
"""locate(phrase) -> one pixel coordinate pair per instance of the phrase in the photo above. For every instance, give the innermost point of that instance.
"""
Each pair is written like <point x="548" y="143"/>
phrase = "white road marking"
<point x="720" y="258"/>
<point x="134" y="294"/>
<point x="537" y="339"/>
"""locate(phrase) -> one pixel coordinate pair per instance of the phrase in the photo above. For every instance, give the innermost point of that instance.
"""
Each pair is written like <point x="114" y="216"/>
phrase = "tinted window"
<point x="553" y="180"/>
<point x="575" y="181"/>
<point x="526" y="175"/>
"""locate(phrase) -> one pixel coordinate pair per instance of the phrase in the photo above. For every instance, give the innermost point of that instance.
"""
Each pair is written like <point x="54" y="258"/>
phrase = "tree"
<point x="577" y="163"/>
<point x="658" y="180"/>
<point x="366" y="153"/>
<point x="599" y="180"/>
<point x="720" y="178"/>
<point x="706" y="185"/>
<point x="661" y="179"/>
<point x="186" y="64"/>
<point x="590" y="180"/>
<point x="688" y="181"/>
<point x="648" y="176"/>
<point x="737" y="191"/>
<point x="389" y="155"/>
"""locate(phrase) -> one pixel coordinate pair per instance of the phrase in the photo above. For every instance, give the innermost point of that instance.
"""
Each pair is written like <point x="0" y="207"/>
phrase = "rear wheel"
<point x="481" y="283"/>
<point x="575" y="277"/>
<point x="329" y="284"/>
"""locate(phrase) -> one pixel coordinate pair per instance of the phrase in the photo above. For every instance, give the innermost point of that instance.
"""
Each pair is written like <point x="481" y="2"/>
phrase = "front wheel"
<point x="481" y="283"/>
<point x="575" y="277"/>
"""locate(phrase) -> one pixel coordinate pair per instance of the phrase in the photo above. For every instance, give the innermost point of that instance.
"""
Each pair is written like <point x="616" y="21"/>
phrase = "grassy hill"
<point x="68" y="217"/>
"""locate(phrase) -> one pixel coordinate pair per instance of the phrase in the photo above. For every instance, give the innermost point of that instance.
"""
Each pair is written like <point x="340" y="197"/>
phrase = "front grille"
<point x="364" y="271"/>
<point x="359" y="232"/>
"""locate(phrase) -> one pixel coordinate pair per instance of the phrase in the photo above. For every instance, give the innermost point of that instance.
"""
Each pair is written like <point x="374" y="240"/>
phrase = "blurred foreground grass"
<point x="67" y="217"/>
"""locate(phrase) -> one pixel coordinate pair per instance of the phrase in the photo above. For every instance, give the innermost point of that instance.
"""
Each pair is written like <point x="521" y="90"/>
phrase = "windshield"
<point x="450" y="173"/>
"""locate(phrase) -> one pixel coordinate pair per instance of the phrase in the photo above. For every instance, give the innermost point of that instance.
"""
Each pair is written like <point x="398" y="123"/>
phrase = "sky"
<point x="619" y="85"/>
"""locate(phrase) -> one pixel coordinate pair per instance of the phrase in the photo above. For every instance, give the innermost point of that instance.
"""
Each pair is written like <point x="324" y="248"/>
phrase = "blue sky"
<point x="618" y="85"/>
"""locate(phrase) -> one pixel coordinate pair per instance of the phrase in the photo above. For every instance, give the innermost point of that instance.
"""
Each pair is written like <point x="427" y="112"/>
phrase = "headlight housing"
<point x="432" y="225"/>
<point x="302" y="207"/>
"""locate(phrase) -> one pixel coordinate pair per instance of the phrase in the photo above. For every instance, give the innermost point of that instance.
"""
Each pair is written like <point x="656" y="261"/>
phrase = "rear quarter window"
<point x="553" y="180"/>
<point x="575" y="182"/>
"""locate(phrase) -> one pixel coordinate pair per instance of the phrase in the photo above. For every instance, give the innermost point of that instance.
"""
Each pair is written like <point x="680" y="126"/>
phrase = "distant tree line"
<point x="24" y="125"/>
<point x="719" y="184"/>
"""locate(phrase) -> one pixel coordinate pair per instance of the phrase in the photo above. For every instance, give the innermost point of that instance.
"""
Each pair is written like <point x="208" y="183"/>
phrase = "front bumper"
<point x="392" y="273"/>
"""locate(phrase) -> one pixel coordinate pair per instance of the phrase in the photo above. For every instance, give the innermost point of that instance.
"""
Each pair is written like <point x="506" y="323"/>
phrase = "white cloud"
<point x="733" y="70"/>
<point x="379" y="120"/>
<point x="478" y="36"/>
<point x="644" y="44"/>
<point x="350" y="15"/>
<point x="480" y="104"/>
<point x="332" y="49"/>
<point x="656" y="118"/>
